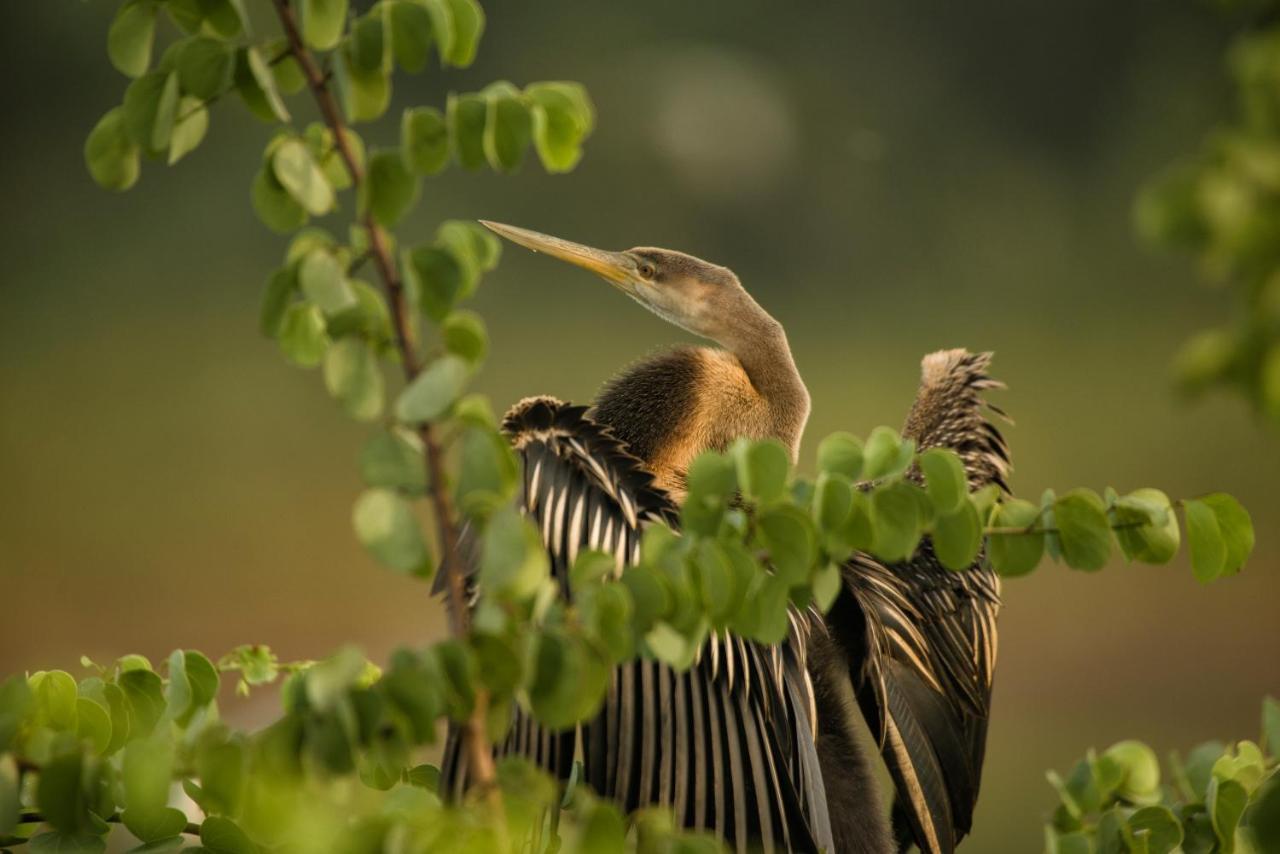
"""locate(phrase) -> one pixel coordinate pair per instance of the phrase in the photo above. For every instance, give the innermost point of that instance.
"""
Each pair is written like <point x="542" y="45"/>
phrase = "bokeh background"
<point x="887" y="178"/>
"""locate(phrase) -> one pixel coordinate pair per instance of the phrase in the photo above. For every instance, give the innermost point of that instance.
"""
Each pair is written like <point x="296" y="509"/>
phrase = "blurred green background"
<point x="887" y="178"/>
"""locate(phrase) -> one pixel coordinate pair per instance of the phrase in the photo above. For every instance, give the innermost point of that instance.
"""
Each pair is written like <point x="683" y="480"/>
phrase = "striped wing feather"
<point x="727" y="744"/>
<point x="923" y="647"/>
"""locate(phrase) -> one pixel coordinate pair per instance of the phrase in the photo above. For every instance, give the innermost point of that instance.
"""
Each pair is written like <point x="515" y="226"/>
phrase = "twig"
<point x="479" y="751"/>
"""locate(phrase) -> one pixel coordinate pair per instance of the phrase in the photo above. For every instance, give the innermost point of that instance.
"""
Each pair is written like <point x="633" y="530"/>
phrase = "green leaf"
<point x="895" y="520"/>
<point x="189" y="128"/>
<point x="957" y="537"/>
<point x="275" y="301"/>
<point x="54" y="692"/>
<point x="93" y="724"/>
<point x="562" y="118"/>
<point x="788" y="535"/>
<point x="391" y="190"/>
<point x="466" y="115"/>
<point x="487" y="471"/>
<point x="424" y="139"/>
<point x="1016" y="554"/>
<point x="832" y="502"/>
<point x="365" y="95"/>
<point x="60" y="795"/>
<point x="256" y="84"/>
<point x="224" y="18"/>
<point x="436" y="280"/>
<point x="1225" y="801"/>
<point x="147" y="771"/>
<point x="131" y="36"/>
<point x="298" y="173"/>
<point x="67" y="842"/>
<point x="386" y="526"/>
<point x="166" y="114"/>
<point x="222" y="835"/>
<point x="1139" y="771"/>
<point x="323" y="282"/>
<point x="370" y="47"/>
<point x="206" y="67"/>
<point x="141" y="109"/>
<point x="762" y="469"/>
<point x="826" y="586"/>
<point x="10" y="806"/>
<point x="1147" y="528"/>
<point x="302" y="335"/>
<point x="273" y="204"/>
<point x="945" y="479"/>
<point x="467" y="25"/>
<point x="1081" y="520"/>
<point x="433" y="391"/>
<point x="144" y="693"/>
<point x="841" y="453"/>
<point x="411" y="34"/>
<point x="1159" y="825"/>
<point x="322" y="24"/>
<point x="112" y="157"/>
<point x="1204" y="539"/>
<point x="1236" y="528"/>
<point x="508" y="127"/>
<point x="464" y="335"/>
<point x="513" y="561"/>
<point x="886" y="454"/>
<point x="352" y="375"/>
<point x="474" y="245"/>
<point x="151" y="825"/>
<point x="393" y="459"/>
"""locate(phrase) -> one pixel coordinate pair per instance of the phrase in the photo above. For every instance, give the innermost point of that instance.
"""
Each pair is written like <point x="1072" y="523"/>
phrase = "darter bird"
<point x="756" y="743"/>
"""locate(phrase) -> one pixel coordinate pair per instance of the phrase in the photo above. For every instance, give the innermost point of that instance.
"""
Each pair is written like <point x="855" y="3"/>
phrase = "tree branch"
<point x="479" y="751"/>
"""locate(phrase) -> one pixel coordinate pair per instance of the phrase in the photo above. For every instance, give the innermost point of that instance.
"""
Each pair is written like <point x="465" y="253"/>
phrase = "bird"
<point x="758" y="744"/>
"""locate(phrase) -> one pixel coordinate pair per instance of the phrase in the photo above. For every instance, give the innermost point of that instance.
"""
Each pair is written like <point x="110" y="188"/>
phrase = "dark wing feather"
<point x="728" y="744"/>
<point x="924" y="648"/>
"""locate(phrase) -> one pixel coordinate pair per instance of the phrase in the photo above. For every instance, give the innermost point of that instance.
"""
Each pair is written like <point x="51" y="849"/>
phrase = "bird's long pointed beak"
<point x="616" y="267"/>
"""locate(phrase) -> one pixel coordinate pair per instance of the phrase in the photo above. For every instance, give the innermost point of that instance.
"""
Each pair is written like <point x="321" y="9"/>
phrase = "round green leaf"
<point x="466" y="116"/>
<point x="832" y="502"/>
<point x="513" y="561"/>
<point x="788" y="535"/>
<point x="112" y="157"/>
<point x="464" y="335"/>
<point x="841" y="453"/>
<point x="957" y="537"/>
<point x="386" y="527"/>
<point x="131" y="36"/>
<point x="433" y="391"/>
<point x="424" y="139"/>
<point x="411" y="34"/>
<point x="1157" y="826"/>
<point x="1225" y="801"/>
<point x="1083" y="530"/>
<point x="895" y="520"/>
<point x="151" y="825"/>
<point x="322" y="23"/>
<point x="467" y="25"/>
<point x="1139" y="770"/>
<point x="945" y="480"/>
<point x="390" y="189"/>
<point x="1236" y="528"/>
<point x="352" y="376"/>
<point x="298" y="173"/>
<point x="393" y="459"/>
<point x="1016" y="554"/>
<point x="206" y="67"/>
<point x="436" y="279"/>
<point x="223" y="836"/>
<point x="365" y="94"/>
<point x="886" y="454"/>
<point x="562" y="118"/>
<point x="189" y="127"/>
<point x="55" y="695"/>
<point x="324" y="282"/>
<point x="1204" y="539"/>
<point x="302" y="336"/>
<point x="508" y="128"/>
<point x="1146" y="526"/>
<point x="762" y="469"/>
<point x="273" y="204"/>
<point x="93" y="724"/>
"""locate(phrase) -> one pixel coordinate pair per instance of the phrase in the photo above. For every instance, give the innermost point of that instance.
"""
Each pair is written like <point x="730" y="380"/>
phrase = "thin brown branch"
<point x="479" y="751"/>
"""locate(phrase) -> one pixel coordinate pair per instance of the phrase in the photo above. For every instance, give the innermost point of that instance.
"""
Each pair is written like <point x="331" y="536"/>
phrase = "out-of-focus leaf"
<point x="386" y="526"/>
<point x="131" y="36"/>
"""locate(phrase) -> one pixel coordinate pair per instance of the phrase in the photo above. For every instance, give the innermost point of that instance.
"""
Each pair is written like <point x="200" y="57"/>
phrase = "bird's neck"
<point x="760" y="345"/>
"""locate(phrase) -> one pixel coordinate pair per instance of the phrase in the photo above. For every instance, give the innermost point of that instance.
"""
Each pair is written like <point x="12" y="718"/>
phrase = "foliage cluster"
<point x="342" y="768"/>
<point x="1219" y="798"/>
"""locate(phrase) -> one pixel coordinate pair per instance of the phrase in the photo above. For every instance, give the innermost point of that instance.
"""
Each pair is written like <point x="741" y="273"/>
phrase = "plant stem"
<point x="479" y="751"/>
<point x="29" y="817"/>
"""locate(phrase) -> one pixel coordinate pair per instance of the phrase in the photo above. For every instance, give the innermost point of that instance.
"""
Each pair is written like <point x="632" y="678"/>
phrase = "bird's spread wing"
<point x="727" y="744"/>
<point x="921" y="638"/>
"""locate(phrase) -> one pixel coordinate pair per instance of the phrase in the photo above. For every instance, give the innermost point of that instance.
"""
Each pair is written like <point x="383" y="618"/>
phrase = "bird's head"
<point x="703" y="298"/>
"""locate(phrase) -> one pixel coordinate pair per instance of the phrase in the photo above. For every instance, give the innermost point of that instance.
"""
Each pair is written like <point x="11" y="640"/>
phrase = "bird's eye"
<point x="646" y="270"/>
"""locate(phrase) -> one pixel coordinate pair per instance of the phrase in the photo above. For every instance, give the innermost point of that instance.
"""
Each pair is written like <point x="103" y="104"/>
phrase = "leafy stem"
<point x="479" y="752"/>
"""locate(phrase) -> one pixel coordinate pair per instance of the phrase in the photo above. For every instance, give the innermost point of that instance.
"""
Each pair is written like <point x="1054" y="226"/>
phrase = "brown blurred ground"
<point x="887" y="178"/>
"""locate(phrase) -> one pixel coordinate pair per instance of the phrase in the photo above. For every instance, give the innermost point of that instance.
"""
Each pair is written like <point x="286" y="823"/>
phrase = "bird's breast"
<point x="674" y="406"/>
